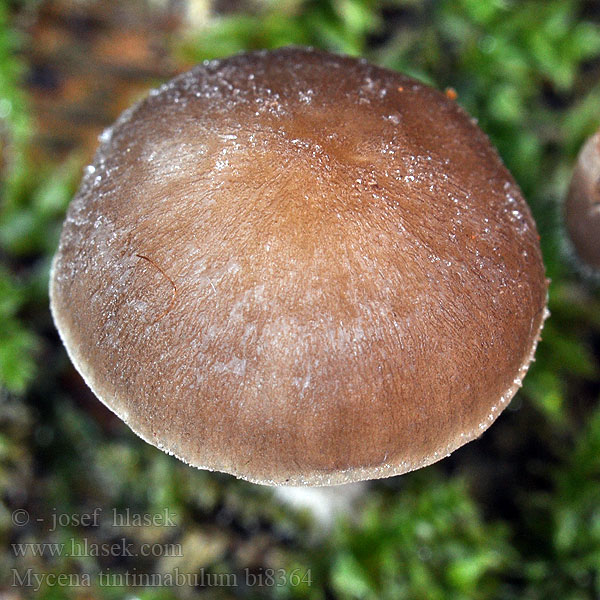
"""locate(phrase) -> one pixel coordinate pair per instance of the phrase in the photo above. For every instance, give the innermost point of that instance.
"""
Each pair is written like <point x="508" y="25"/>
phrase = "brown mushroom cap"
<point x="300" y="268"/>
<point x="582" y="208"/>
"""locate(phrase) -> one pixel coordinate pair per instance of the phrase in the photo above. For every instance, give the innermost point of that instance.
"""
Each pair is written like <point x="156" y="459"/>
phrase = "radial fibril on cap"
<point x="300" y="268"/>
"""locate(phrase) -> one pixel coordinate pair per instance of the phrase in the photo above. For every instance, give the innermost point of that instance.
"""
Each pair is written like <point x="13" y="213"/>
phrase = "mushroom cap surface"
<point x="582" y="208"/>
<point x="300" y="268"/>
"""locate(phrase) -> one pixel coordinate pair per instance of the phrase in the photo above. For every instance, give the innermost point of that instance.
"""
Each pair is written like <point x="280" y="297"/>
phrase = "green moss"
<point x="514" y="515"/>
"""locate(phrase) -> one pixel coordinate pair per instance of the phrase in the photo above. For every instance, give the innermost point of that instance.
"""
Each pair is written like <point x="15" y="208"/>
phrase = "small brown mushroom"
<point x="301" y="269"/>
<point x="582" y="208"/>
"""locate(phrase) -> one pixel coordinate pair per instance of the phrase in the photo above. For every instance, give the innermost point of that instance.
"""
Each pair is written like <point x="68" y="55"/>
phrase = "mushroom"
<point x="582" y="208"/>
<point x="300" y="269"/>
